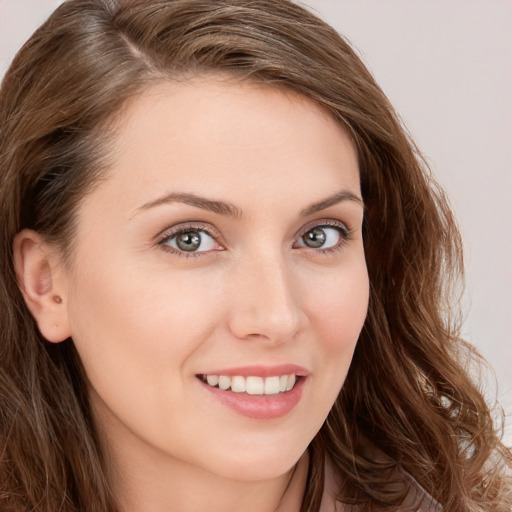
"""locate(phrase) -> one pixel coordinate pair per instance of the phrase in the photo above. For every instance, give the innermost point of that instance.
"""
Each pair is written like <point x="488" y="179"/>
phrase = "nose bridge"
<point x="266" y="303"/>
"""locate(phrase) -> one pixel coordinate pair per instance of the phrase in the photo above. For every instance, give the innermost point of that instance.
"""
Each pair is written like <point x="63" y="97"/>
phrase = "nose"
<point x="265" y="302"/>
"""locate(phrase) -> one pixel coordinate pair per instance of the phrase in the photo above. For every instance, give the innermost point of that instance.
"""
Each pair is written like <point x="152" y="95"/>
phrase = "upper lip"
<point x="261" y="371"/>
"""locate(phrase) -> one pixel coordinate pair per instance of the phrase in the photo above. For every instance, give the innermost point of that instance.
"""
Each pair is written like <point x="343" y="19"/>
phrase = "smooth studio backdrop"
<point x="446" y="66"/>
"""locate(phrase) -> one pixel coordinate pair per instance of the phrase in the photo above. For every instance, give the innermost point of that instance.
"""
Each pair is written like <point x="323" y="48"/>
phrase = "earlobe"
<point x="41" y="280"/>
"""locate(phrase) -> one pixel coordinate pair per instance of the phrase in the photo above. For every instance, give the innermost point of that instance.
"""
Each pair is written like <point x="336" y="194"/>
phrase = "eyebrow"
<point x="230" y="210"/>
<point x="220" y="207"/>
<point x="343" y="195"/>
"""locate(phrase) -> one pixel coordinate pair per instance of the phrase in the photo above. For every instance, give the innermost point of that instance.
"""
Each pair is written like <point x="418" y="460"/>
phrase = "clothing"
<point x="417" y="500"/>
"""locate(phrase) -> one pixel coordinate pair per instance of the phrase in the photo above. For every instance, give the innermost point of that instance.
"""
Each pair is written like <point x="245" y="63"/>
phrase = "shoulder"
<point x="417" y="499"/>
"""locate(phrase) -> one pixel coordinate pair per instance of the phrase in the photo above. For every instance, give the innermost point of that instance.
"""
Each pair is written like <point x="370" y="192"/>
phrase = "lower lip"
<point x="264" y="407"/>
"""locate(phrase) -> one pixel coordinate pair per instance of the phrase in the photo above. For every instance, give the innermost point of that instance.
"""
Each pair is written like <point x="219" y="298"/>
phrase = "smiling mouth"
<point x="252" y="385"/>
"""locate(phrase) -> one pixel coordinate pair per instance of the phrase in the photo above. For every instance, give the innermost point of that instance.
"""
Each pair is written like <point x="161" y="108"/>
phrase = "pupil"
<point x="189" y="241"/>
<point x="314" y="238"/>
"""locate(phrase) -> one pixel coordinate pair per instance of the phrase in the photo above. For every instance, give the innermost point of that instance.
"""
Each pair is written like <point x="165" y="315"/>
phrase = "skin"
<point x="146" y="319"/>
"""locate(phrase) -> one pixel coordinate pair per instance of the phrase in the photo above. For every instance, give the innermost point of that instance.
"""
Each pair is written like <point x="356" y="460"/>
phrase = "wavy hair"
<point x="408" y="392"/>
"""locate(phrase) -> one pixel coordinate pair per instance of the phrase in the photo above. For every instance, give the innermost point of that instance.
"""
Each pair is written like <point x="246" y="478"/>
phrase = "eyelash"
<point x="174" y="232"/>
<point x="345" y="236"/>
<point x="344" y="231"/>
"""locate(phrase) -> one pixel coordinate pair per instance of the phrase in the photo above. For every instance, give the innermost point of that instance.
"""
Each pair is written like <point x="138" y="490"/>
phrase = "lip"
<point x="262" y="407"/>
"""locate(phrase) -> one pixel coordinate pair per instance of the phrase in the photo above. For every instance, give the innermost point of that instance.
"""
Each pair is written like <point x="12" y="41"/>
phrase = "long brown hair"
<point x="407" y="393"/>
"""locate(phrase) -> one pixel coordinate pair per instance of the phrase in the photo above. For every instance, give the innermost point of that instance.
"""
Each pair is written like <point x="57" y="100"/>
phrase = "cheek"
<point x="136" y="335"/>
<point x="337" y="311"/>
<point x="339" y="304"/>
<point x="148" y="322"/>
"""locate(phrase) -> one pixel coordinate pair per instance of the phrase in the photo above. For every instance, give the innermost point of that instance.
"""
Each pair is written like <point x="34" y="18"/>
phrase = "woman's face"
<point x="223" y="249"/>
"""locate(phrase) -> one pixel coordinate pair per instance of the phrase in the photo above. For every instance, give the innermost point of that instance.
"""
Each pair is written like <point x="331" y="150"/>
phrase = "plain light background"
<point x="446" y="67"/>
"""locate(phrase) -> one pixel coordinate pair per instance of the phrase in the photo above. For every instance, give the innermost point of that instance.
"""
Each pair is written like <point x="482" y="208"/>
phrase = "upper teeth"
<point x="253" y="385"/>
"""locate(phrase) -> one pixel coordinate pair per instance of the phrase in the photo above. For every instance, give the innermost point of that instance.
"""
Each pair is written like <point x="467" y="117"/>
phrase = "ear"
<point x="43" y="283"/>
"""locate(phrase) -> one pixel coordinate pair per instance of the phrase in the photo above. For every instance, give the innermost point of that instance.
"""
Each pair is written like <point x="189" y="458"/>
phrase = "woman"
<point x="226" y="275"/>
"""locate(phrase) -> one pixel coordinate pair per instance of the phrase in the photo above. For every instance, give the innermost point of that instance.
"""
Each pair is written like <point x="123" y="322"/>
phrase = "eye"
<point x="190" y="240"/>
<point x="323" y="237"/>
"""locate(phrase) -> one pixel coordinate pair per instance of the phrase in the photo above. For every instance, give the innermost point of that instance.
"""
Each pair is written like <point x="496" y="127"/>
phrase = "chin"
<point x="258" y="464"/>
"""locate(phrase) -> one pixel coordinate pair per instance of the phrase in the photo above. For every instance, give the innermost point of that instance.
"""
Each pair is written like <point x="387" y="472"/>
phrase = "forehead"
<point x="227" y="137"/>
